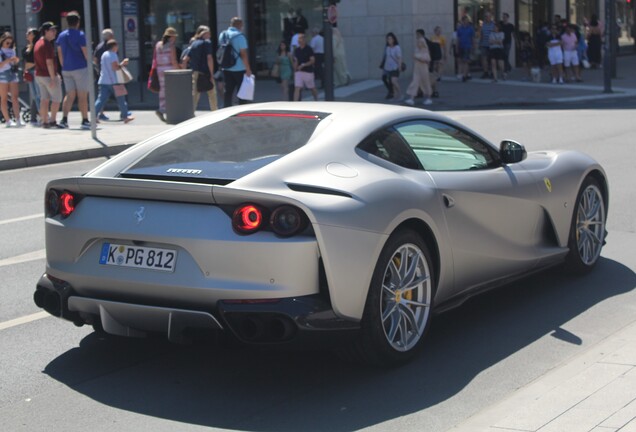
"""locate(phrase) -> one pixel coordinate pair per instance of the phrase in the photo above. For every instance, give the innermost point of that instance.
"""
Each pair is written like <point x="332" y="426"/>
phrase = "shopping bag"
<point x="246" y="92"/>
<point x="123" y="75"/>
<point x="120" y="90"/>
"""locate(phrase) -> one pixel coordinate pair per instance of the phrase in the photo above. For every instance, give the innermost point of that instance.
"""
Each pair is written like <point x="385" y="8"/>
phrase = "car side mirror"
<point x="512" y="152"/>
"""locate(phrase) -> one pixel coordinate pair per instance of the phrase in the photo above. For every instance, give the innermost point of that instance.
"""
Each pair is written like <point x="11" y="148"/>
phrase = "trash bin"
<point x="178" y="95"/>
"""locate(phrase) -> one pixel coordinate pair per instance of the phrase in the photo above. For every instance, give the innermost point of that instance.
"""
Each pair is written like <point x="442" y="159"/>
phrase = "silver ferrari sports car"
<point x="298" y="222"/>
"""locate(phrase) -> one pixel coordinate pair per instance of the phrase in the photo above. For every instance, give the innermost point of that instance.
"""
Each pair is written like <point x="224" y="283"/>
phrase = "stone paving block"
<point x="593" y="410"/>
<point x="630" y="427"/>
<point x="626" y="355"/>
<point x="562" y="398"/>
<point x="623" y="416"/>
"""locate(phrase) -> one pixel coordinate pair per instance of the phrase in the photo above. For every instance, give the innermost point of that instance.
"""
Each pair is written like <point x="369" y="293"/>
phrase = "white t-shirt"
<point x="108" y="75"/>
<point x="317" y="44"/>
<point x="7" y="52"/>
<point x="393" y="56"/>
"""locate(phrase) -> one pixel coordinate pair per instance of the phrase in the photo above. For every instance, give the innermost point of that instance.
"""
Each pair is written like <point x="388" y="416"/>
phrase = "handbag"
<point x="203" y="83"/>
<point x="403" y="67"/>
<point x="246" y="92"/>
<point x="275" y="73"/>
<point x="119" y="90"/>
<point x="27" y="76"/>
<point x="123" y="75"/>
<point x="153" y="78"/>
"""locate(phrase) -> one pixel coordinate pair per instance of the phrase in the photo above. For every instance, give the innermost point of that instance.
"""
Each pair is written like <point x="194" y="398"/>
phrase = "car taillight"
<point x="287" y="221"/>
<point x="247" y="219"/>
<point x="60" y="203"/>
<point x="67" y="204"/>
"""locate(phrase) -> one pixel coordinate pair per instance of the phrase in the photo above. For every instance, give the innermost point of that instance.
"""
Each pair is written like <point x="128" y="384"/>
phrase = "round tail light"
<point x="67" y="203"/>
<point x="287" y="221"/>
<point x="247" y="219"/>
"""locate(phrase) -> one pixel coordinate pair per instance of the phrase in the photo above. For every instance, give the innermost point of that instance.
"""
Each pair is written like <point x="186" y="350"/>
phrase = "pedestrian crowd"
<point x="562" y="46"/>
<point x="55" y="66"/>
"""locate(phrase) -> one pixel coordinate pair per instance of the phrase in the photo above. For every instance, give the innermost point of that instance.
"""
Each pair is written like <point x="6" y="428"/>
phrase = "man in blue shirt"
<point x="233" y="76"/>
<point x="487" y="27"/>
<point x="73" y="56"/>
<point x="465" y="37"/>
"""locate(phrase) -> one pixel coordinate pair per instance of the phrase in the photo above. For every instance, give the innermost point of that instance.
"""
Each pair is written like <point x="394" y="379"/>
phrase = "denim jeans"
<point x="105" y="90"/>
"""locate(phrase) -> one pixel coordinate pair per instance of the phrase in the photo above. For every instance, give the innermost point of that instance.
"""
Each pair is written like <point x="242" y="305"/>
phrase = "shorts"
<point x="8" y="77"/>
<point x="392" y="74"/>
<point x="555" y="56"/>
<point x="76" y="80"/>
<point x="496" y="54"/>
<point x="46" y="92"/>
<point x="304" y="79"/>
<point x="464" y="53"/>
<point x="570" y="58"/>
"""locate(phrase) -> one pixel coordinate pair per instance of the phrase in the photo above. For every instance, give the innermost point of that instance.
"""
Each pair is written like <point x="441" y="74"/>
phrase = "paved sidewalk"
<point x="595" y="391"/>
<point x="29" y="146"/>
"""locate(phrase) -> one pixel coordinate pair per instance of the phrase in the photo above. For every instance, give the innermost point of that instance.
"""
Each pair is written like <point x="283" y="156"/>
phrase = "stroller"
<point x="25" y="111"/>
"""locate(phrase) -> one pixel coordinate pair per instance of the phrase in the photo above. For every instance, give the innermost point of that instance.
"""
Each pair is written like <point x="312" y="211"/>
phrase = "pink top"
<point x="569" y="41"/>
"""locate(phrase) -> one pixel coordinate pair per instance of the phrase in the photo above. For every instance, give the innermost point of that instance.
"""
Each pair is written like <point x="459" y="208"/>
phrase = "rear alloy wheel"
<point x="587" y="234"/>
<point x="398" y="308"/>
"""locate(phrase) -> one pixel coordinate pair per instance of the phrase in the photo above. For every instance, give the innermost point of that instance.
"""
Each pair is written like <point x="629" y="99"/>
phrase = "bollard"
<point x="179" y="101"/>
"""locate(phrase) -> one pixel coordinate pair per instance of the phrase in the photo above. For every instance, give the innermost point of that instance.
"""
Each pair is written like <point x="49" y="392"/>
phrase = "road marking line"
<point x="23" y="320"/>
<point x="31" y="256"/>
<point x="20" y="219"/>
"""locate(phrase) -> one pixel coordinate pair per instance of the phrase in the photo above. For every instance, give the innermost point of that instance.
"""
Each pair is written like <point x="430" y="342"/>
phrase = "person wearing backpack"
<point x="199" y="58"/>
<point x="234" y="61"/>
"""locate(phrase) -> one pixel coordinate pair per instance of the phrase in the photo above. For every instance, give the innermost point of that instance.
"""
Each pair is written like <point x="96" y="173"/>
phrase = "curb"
<point x="70" y="156"/>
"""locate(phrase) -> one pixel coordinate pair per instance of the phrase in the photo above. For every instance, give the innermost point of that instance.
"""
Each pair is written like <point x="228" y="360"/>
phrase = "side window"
<point x="389" y="145"/>
<point x="442" y="147"/>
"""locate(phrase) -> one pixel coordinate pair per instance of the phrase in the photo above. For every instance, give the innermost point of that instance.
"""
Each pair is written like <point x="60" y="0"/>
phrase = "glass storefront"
<point x="475" y="10"/>
<point x="183" y="15"/>
<point x="625" y="21"/>
<point x="531" y="14"/>
<point x="274" y="20"/>
<point x="580" y="11"/>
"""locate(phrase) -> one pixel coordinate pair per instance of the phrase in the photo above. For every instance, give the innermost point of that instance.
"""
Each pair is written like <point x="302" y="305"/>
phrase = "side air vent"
<point x="317" y="190"/>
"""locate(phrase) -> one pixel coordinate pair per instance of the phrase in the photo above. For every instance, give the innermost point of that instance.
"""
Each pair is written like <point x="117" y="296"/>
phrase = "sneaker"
<point x="36" y="123"/>
<point x="389" y="96"/>
<point x="103" y="117"/>
<point x="561" y="81"/>
<point x="61" y="125"/>
<point x="86" y="125"/>
<point x="128" y="119"/>
<point x="428" y="102"/>
<point x="409" y="101"/>
<point x="554" y="81"/>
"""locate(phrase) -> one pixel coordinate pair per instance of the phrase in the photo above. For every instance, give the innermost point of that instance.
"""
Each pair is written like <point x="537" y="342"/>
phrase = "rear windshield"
<point x="230" y="149"/>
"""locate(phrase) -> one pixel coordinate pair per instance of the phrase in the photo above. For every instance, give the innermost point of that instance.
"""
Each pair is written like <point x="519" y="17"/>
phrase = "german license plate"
<point x="138" y="257"/>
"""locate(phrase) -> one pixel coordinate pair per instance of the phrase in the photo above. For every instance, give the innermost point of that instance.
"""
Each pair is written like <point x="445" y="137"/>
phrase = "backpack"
<point x="226" y="55"/>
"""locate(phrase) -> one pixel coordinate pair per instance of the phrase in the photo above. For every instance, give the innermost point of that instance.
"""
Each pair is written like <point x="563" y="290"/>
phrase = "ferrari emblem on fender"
<point x="140" y="214"/>
<point x="548" y="184"/>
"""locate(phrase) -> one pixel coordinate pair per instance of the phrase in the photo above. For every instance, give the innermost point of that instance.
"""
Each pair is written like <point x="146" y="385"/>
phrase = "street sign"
<point x="332" y="14"/>
<point x="37" y="5"/>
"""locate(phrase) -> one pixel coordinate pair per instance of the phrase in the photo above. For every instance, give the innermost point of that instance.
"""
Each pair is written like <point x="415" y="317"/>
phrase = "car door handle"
<point x="448" y="201"/>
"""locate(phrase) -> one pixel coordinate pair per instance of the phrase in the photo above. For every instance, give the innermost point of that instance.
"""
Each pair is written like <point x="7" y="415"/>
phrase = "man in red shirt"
<point x="46" y="76"/>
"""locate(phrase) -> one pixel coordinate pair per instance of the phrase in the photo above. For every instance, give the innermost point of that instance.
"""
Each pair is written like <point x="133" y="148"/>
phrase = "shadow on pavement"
<point x="276" y="390"/>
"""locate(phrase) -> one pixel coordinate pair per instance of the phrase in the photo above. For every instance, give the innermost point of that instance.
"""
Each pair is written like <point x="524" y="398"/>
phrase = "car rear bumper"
<point x="305" y="320"/>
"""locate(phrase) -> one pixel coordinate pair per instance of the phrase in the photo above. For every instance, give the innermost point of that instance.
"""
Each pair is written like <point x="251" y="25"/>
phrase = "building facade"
<point x="361" y="24"/>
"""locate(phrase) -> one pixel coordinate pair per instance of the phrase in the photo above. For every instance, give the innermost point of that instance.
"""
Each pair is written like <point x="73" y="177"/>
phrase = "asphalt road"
<point x="57" y="377"/>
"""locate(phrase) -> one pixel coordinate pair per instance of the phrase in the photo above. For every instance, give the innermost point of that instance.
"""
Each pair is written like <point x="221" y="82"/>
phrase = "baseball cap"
<point x="47" y="26"/>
